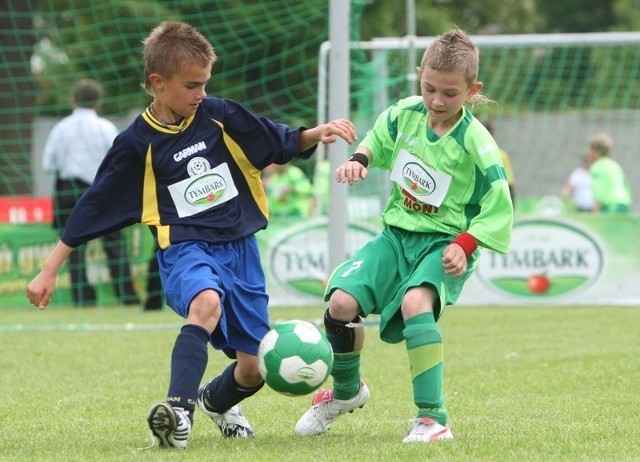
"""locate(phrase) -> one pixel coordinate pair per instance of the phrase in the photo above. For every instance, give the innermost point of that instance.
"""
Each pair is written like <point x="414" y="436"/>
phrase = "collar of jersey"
<point x="163" y="127"/>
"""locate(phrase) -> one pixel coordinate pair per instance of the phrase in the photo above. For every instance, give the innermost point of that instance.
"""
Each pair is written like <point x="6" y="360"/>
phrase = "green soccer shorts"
<point x="380" y="273"/>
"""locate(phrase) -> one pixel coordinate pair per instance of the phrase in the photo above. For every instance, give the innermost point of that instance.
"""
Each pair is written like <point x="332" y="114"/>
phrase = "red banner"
<point x="26" y="209"/>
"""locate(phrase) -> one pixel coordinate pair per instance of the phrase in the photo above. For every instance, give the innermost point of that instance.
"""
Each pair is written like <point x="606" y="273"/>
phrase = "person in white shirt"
<point x="578" y="187"/>
<point x="74" y="150"/>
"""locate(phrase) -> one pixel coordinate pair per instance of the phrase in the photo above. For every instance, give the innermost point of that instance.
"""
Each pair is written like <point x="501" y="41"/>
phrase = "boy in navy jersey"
<point x="189" y="168"/>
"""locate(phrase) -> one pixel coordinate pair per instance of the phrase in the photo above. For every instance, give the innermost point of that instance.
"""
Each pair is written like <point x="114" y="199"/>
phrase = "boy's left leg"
<point x="424" y="348"/>
<point x="219" y="399"/>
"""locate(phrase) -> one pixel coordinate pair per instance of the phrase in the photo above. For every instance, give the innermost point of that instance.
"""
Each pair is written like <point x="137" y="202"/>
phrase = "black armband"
<point x="359" y="157"/>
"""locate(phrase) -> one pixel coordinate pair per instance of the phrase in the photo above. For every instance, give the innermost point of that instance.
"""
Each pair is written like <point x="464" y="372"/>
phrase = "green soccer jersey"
<point x="289" y="193"/>
<point x="447" y="184"/>
<point x="610" y="185"/>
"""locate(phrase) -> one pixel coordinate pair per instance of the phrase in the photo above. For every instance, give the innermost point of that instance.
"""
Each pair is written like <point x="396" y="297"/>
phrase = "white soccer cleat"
<point x="232" y="423"/>
<point x="171" y="426"/>
<point x="425" y="430"/>
<point x="325" y="409"/>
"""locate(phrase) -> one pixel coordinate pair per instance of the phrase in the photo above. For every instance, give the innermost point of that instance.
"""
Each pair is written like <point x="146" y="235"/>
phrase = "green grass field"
<point x="522" y="384"/>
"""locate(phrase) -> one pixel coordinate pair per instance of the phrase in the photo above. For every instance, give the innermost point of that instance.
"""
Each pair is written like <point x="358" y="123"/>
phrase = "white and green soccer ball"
<point x="295" y="358"/>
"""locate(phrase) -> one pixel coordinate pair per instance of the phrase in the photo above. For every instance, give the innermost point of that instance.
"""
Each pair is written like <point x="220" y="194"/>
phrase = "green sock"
<point x="424" y="347"/>
<point x="346" y="374"/>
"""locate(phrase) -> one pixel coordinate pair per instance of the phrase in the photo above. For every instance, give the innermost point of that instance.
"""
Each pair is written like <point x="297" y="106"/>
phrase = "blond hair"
<point x="455" y="53"/>
<point x="170" y="46"/>
<point x="602" y="143"/>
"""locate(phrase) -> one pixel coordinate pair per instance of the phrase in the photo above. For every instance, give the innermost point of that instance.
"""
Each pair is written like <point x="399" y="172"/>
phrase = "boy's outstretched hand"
<point x="327" y="134"/>
<point x="341" y="127"/>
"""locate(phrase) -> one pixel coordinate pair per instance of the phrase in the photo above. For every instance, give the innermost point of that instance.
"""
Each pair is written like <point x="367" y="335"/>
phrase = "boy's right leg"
<point x="351" y="296"/>
<point x="325" y="410"/>
<point x="349" y="392"/>
<point x="171" y="426"/>
<point x="171" y="421"/>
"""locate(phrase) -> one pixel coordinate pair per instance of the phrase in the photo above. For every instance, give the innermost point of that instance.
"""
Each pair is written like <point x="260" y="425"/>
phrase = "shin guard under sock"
<point x="346" y="361"/>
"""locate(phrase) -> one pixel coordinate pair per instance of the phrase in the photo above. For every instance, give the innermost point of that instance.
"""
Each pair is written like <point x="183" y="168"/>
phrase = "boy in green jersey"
<point x="449" y="196"/>
<point x="611" y="191"/>
<point x="289" y="191"/>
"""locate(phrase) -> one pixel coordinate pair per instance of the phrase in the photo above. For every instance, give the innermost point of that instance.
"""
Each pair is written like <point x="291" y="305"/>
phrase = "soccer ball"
<point x="295" y="358"/>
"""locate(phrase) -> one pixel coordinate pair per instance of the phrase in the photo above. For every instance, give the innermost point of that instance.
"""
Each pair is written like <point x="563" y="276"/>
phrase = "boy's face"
<point x="181" y="94"/>
<point x="593" y="154"/>
<point x="444" y="94"/>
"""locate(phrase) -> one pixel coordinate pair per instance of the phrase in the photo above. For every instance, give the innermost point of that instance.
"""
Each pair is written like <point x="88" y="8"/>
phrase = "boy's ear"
<point x="155" y="79"/>
<point x="475" y="87"/>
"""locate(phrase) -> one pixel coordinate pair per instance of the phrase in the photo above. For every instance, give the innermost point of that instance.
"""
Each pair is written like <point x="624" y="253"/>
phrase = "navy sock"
<point x="188" y="363"/>
<point x="223" y="392"/>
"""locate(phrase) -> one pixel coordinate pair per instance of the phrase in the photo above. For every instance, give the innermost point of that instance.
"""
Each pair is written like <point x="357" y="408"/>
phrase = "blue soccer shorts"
<point x="232" y="269"/>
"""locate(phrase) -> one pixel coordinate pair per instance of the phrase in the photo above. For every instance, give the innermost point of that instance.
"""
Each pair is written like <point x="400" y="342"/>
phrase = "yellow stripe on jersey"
<point x="251" y="174"/>
<point x="150" y="212"/>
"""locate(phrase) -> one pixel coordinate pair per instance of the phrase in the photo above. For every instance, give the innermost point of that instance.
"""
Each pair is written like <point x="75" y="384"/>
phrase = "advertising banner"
<point x="575" y="259"/>
<point x="579" y="259"/>
<point x="25" y="247"/>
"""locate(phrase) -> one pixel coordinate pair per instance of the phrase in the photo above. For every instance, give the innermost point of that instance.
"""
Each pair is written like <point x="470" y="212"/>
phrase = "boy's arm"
<point x="326" y="134"/>
<point x="355" y="167"/>
<point x="40" y="289"/>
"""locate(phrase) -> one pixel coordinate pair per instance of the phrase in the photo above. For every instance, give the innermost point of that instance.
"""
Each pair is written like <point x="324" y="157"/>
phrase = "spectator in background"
<point x="578" y="187"/>
<point x="611" y="191"/>
<point x="74" y="150"/>
<point x="506" y="161"/>
<point x="289" y="191"/>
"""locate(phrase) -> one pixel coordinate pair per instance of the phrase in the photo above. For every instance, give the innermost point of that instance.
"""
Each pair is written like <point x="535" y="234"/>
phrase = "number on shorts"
<point x="354" y="266"/>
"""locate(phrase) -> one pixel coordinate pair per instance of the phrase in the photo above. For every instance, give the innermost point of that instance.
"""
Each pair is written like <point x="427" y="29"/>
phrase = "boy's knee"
<point x="417" y="300"/>
<point x="205" y="309"/>
<point x="342" y="306"/>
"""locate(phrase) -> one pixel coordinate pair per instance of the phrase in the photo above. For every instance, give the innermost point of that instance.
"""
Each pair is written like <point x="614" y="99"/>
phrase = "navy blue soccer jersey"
<point x="197" y="181"/>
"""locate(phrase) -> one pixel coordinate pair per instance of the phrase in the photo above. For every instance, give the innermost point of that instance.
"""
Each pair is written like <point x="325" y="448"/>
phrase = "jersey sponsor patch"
<point x="202" y="192"/>
<point x="420" y="181"/>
